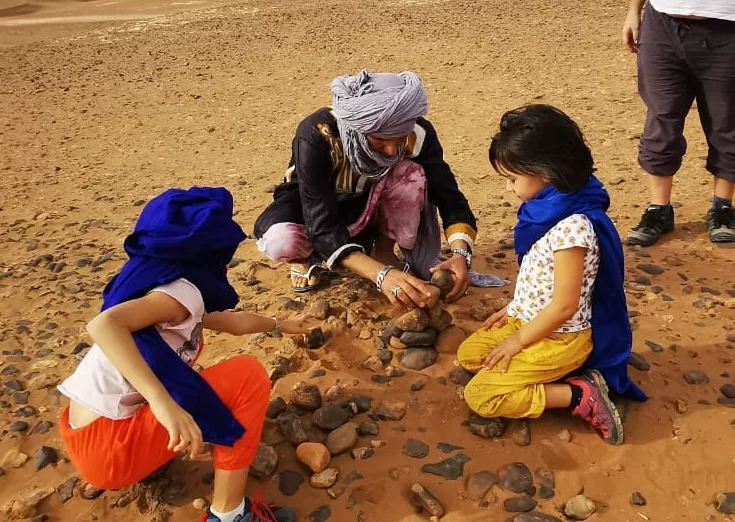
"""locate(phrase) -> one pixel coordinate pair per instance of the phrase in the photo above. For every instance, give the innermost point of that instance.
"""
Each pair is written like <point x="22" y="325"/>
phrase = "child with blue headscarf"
<point x="564" y="339"/>
<point x="135" y="400"/>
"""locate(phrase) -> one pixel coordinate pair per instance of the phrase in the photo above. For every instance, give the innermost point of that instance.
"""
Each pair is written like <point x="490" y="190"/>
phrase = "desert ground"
<point x="104" y="104"/>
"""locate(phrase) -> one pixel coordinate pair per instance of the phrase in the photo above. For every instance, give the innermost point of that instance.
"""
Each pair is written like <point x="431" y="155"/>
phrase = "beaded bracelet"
<point x="381" y="277"/>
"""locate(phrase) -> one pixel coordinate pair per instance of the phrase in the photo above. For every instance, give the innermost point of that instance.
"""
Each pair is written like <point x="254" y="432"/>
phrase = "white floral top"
<point x="535" y="285"/>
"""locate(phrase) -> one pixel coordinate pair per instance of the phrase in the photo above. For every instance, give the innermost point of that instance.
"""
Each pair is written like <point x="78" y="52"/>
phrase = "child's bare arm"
<point x="568" y="277"/>
<point x="112" y="331"/>
<point x="243" y="323"/>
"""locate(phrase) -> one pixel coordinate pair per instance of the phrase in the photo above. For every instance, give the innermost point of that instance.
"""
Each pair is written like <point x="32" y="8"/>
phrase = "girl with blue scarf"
<point x="135" y="400"/>
<point x="564" y="339"/>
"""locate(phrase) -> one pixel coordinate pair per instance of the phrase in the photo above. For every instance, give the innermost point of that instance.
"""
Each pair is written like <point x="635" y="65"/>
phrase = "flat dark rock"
<point x="45" y="456"/>
<point x="521" y="504"/>
<point x="460" y="376"/>
<point x="353" y="477"/>
<point x="651" y="269"/>
<point x="638" y="362"/>
<point x="380" y="379"/>
<point x="451" y="468"/>
<point x="415" y="448"/>
<point x="480" y="483"/>
<point x="418" y="359"/>
<point x="318" y="372"/>
<point x="291" y="427"/>
<point x="545" y="478"/>
<point x="19" y="426"/>
<point x="314" y="339"/>
<point x="419" y="383"/>
<point x="643" y="280"/>
<point x="362" y="403"/>
<point x="42" y="427"/>
<point x="724" y="401"/>
<point x="726" y="503"/>
<point x="425" y="338"/>
<point x="320" y="514"/>
<point x="330" y="417"/>
<point x="66" y="489"/>
<point x="369" y="427"/>
<point x="636" y="499"/>
<point x="516" y="478"/>
<point x="654" y="346"/>
<point x="385" y="355"/>
<point x="275" y="407"/>
<point x="696" y="377"/>
<point x="14" y="385"/>
<point x="728" y="390"/>
<point x="447" y="448"/>
<point x="289" y="481"/>
<point x="488" y="428"/>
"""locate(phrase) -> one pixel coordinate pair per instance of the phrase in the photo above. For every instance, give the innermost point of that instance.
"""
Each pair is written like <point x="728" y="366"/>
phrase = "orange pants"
<point x="113" y="454"/>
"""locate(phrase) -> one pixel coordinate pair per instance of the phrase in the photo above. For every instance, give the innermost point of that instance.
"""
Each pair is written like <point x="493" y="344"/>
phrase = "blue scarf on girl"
<point x="183" y="234"/>
<point x="611" y="332"/>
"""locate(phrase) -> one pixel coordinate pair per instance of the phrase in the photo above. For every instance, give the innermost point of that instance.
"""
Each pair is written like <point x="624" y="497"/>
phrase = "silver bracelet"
<point x="276" y="331"/>
<point x="464" y="253"/>
<point x="381" y="277"/>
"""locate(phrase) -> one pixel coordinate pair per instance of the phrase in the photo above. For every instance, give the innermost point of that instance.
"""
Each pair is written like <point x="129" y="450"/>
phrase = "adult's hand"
<point x="457" y="266"/>
<point x="405" y="290"/>
<point x="631" y="29"/>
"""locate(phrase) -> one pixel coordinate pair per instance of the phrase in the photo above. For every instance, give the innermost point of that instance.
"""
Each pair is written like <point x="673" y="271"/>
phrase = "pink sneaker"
<point x="596" y="407"/>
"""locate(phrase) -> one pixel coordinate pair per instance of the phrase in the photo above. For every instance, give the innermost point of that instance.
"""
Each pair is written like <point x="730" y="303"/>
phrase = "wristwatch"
<point x="276" y="331"/>
<point x="464" y="253"/>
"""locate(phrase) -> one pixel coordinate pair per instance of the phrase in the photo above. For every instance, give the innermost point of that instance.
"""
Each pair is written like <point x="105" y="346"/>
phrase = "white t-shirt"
<point x="100" y="387"/>
<point x="535" y="285"/>
<point x="722" y="9"/>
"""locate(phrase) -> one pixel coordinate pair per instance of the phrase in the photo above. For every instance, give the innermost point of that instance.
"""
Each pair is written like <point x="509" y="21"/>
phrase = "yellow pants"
<point x="519" y="392"/>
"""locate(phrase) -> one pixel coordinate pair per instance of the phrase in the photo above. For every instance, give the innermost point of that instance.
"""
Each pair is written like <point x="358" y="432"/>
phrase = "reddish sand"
<point x="98" y="116"/>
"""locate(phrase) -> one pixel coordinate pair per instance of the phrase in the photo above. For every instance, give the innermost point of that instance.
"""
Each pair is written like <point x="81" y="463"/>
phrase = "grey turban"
<point x="382" y="103"/>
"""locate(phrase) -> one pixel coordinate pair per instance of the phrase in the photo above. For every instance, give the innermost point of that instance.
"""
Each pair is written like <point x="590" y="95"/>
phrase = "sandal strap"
<point x="307" y="274"/>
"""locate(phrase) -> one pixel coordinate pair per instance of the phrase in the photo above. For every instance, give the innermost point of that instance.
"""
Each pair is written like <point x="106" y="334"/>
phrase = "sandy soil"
<point x="97" y="115"/>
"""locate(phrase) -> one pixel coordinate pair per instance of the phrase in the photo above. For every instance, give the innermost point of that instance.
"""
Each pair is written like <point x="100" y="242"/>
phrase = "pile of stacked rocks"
<point x="419" y="333"/>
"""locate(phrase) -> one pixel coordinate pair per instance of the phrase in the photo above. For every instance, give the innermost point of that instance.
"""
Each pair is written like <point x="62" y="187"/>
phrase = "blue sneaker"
<point x="257" y="511"/>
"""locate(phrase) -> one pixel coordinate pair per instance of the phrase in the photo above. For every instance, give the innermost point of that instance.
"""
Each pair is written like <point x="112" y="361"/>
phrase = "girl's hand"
<point x="301" y="324"/>
<point x="410" y="291"/>
<point x="499" y="319"/>
<point x="183" y="432"/>
<point x="504" y="352"/>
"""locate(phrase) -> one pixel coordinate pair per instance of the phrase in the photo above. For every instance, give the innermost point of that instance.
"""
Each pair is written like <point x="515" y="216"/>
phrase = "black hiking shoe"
<point x="721" y="224"/>
<point x="657" y="220"/>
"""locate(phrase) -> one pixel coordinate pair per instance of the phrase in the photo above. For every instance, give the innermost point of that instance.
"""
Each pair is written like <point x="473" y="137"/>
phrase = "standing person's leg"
<point x="666" y="86"/>
<point x="711" y="51"/>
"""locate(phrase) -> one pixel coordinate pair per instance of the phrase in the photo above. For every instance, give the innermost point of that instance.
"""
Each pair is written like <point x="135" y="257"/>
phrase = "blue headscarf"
<point x="611" y="333"/>
<point x="183" y="234"/>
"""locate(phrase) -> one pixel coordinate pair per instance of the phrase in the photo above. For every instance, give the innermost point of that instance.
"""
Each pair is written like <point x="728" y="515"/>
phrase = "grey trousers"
<point x="681" y="60"/>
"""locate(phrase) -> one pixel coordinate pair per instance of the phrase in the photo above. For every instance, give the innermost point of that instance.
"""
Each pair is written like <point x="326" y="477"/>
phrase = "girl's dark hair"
<point x="540" y="140"/>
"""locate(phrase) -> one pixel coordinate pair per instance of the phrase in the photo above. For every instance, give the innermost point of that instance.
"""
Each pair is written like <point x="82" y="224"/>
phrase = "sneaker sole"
<point x="645" y="241"/>
<point x="616" y="437"/>
<point x="722" y="237"/>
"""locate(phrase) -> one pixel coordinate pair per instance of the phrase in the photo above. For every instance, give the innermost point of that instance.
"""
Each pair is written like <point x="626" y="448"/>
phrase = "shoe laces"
<point x="723" y="215"/>
<point x="259" y="509"/>
<point x="651" y="219"/>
